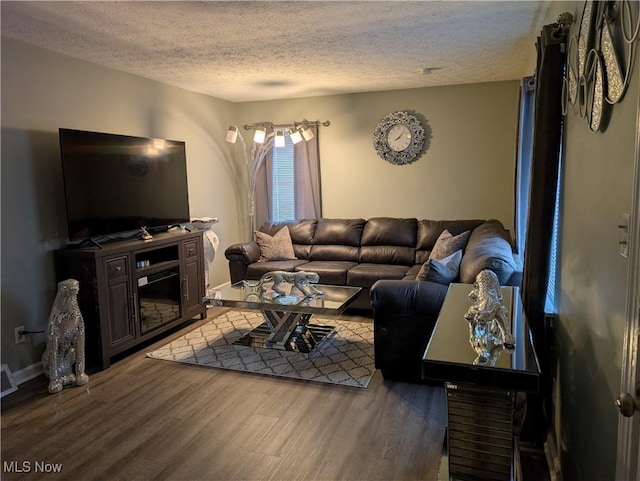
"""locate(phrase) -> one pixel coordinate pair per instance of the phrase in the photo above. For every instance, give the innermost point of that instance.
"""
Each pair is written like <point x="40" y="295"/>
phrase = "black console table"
<point x="481" y="399"/>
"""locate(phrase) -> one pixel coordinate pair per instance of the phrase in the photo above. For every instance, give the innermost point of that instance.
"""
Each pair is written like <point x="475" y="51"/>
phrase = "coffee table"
<point x="286" y="324"/>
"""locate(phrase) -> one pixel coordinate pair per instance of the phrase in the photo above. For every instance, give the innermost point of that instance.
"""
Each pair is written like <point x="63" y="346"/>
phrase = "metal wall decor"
<point x="400" y="137"/>
<point x="600" y="59"/>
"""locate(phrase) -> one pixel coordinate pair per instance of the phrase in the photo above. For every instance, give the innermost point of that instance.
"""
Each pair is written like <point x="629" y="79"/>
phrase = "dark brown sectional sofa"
<point x="383" y="256"/>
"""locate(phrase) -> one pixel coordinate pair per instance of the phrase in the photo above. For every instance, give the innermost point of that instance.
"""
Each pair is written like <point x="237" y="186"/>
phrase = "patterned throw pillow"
<point x="277" y="247"/>
<point x="447" y="244"/>
<point x="443" y="271"/>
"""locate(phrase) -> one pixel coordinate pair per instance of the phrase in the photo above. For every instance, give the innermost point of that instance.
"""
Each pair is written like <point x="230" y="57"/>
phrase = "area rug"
<point x="344" y="357"/>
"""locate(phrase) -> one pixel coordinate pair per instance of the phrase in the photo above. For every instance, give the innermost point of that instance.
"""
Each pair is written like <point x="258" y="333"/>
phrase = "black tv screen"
<point x="118" y="183"/>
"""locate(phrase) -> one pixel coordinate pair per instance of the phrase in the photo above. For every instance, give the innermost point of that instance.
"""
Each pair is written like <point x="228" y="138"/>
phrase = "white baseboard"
<point x="28" y="373"/>
<point x="6" y="378"/>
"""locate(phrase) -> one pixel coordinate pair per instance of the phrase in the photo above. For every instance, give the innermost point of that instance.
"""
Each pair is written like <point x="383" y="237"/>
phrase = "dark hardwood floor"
<point x="146" y="419"/>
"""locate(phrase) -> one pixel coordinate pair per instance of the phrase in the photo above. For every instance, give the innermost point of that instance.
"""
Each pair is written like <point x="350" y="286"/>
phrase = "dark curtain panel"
<point x="547" y="139"/>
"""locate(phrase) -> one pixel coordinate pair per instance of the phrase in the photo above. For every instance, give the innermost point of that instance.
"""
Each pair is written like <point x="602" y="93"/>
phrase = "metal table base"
<point x="288" y="331"/>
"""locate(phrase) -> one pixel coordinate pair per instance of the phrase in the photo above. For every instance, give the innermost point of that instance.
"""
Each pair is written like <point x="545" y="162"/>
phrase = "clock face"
<point x="399" y="137"/>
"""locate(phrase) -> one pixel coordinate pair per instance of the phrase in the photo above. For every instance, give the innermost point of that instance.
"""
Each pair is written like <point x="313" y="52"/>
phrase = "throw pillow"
<point x="447" y="244"/>
<point x="443" y="271"/>
<point x="277" y="247"/>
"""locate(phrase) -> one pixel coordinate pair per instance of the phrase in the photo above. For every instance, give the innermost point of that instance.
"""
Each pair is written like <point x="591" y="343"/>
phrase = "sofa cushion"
<point x="387" y="231"/>
<point x="258" y="269"/>
<point x="489" y="247"/>
<point x="330" y="272"/>
<point x="388" y="240"/>
<point x="365" y="275"/>
<point x="447" y="244"/>
<point x="404" y="256"/>
<point x="277" y="247"/>
<point x="442" y="271"/>
<point x="412" y="273"/>
<point x="334" y="253"/>
<point x="430" y="230"/>
<point x="347" y="232"/>
<point x="301" y="231"/>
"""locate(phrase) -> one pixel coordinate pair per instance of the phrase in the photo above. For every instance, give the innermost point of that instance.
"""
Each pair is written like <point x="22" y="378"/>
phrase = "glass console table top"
<point x="334" y="299"/>
<point x="450" y="357"/>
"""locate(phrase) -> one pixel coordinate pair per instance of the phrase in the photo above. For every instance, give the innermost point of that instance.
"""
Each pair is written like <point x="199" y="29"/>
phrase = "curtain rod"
<point x="295" y="124"/>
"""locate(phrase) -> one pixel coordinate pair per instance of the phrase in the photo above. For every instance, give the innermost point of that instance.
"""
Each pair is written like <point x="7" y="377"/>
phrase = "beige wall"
<point x="466" y="173"/>
<point x="42" y="91"/>
<point x="592" y="279"/>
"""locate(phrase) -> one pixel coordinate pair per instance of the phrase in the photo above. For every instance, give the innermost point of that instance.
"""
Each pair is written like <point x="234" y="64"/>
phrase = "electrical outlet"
<point x="20" y="338"/>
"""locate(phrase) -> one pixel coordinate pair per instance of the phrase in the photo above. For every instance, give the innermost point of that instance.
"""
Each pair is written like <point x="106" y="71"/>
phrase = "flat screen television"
<point x="117" y="183"/>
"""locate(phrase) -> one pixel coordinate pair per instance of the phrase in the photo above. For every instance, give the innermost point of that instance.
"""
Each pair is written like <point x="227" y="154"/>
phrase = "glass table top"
<point x="450" y="353"/>
<point x="334" y="299"/>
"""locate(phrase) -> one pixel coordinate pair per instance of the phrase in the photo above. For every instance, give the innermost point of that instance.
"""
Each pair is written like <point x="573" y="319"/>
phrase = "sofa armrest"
<point x="245" y="252"/>
<point x="240" y="256"/>
<point x="408" y="297"/>
<point x="404" y="315"/>
<point x="489" y="247"/>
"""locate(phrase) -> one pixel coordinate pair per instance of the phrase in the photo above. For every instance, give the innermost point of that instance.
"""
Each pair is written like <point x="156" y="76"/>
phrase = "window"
<point x="550" y="306"/>
<point x="523" y="163"/>
<point x="288" y="188"/>
<point x="283" y="182"/>
<point x="523" y="187"/>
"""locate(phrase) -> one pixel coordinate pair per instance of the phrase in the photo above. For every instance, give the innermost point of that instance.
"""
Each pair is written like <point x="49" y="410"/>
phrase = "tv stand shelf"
<point x="133" y="291"/>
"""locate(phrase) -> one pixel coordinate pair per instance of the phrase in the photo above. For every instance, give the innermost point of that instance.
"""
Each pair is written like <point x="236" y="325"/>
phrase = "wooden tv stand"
<point x="133" y="290"/>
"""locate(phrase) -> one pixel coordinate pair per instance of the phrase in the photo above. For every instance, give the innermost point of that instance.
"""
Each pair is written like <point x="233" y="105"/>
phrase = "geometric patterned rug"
<point x="344" y="357"/>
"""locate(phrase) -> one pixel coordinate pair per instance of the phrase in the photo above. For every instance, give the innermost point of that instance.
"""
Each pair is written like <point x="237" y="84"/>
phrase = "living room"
<point x="467" y="172"/>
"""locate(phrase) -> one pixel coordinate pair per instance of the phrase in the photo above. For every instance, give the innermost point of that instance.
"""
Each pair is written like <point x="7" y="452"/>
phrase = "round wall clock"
<point x="399" y="138"/>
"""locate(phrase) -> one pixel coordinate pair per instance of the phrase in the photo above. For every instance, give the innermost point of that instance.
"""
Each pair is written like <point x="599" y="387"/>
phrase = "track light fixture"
<point x="279" y="139"/>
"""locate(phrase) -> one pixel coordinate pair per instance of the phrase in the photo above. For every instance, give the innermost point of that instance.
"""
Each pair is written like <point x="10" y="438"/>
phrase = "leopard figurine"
<point x="487" y="317"/>
<point x="302" y="280"/>
<point x="63" y="360"/>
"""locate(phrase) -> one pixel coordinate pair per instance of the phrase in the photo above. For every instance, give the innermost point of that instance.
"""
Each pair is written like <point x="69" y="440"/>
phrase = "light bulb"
<point x="260" y="135"/>
<point x="232" y="134"/>
<point x="296" y="136"/>
<point x="307" y="133"/>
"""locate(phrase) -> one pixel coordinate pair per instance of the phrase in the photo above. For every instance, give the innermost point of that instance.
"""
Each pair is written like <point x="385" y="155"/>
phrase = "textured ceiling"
<point x="244" y="50"/>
